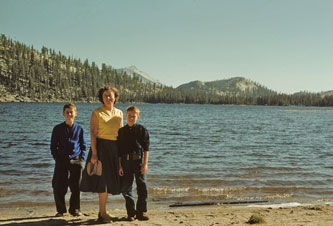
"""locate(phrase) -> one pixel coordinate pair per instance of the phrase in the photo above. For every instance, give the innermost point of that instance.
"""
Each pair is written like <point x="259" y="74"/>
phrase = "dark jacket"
<point x="132" y="140"/>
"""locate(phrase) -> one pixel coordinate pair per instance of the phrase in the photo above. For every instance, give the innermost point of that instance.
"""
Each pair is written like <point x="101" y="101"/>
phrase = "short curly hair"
<point x="69" y="105"/>
<point x="112" y="89"/>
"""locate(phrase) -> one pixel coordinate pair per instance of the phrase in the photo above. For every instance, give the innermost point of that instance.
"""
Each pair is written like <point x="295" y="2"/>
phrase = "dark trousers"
<point x="67" y="173"/>
<point x="132" y="170"/>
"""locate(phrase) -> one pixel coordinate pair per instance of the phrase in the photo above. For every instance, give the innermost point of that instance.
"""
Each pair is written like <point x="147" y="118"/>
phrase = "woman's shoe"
<point x="104" y="217"/>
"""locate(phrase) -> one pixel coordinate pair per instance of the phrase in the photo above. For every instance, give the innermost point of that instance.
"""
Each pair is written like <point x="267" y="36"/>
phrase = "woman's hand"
<point x="121" y="171"/>
<point x="94" y="159"/>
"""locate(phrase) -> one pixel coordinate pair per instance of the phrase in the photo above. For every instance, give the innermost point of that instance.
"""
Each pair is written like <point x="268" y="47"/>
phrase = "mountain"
<point x="327" y="93"/>
<point x="322" y="94"/>
<point x="233" y="86"/>
<point x="133" y="71"/>
<point x="29" y="75"/>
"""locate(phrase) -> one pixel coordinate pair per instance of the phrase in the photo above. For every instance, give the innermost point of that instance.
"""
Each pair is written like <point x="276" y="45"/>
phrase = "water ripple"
<point x="197" y="151"/>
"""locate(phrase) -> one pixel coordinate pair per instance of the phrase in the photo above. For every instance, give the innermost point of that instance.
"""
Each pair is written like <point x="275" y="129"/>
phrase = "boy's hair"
<point x="69" y="105"/>
<point x="133" y="108"/>
<point x="105" y="88"/>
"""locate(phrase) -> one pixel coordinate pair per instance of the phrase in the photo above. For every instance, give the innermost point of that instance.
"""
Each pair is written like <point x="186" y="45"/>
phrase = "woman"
<point x="104" y="124"/>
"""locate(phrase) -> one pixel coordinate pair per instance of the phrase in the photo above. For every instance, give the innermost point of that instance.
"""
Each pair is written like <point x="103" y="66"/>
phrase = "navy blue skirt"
<point x="109" y="180"/>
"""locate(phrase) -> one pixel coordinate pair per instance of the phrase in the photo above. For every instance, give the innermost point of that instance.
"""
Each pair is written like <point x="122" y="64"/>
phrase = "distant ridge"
<point x="29" y="75"/>
<point x="233" y="86"/>
<point x="133" y="71"/>
<point x="327" y="93"/>
<point x="322" y="94"/>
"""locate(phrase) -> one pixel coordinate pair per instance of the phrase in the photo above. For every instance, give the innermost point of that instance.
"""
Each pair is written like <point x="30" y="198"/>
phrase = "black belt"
<point x="132" y="156"/>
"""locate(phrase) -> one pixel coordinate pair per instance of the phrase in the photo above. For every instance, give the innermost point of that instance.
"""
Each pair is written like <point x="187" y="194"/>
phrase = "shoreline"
<point x="18" y="99"/>
<point x="155" y="203"/>
<point x="311" y="214"/>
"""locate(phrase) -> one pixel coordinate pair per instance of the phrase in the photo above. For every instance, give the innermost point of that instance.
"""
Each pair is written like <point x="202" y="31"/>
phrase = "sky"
<point x="284" y="45"/>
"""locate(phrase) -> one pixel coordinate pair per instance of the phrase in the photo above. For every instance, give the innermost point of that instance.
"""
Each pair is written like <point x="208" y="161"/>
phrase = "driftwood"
<point x="206" y="203"/>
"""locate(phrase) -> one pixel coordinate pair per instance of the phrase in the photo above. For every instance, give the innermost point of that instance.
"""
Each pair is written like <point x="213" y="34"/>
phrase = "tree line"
<point x="47" y="75"/>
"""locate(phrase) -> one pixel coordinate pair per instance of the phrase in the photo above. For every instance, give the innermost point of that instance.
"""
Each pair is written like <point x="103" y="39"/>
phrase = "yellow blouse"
<point x="109" y="122"/>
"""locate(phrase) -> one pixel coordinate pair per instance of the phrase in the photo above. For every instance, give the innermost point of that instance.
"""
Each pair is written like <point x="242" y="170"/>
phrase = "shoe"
<point x="59" y="215"/>
<point x="75" y="213"/>
<point x="104" y="217"/>
<point x="130" y="218"/>
<point x="142" y="217"/>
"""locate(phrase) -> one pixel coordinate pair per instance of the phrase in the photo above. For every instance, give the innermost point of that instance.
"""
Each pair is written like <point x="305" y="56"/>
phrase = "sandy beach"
<point x="216" y="215"/>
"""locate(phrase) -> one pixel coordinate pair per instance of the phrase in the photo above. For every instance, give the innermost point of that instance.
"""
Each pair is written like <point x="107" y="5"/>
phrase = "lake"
<point x="197" y="153"/>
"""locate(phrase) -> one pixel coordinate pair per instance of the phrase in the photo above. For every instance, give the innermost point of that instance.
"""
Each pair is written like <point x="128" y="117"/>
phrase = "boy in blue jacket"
<point x="68" y="148"/>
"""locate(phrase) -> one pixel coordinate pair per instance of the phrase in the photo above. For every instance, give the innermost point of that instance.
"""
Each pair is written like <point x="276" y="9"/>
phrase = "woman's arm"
<point x="93" y="136"/>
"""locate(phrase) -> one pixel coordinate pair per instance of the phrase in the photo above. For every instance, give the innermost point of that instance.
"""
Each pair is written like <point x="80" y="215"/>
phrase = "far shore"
<point x="28" y="100"/>
<point x="302" y="110"/>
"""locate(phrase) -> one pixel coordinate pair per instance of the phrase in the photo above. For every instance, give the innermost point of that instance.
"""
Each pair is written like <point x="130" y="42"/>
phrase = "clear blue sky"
<point x="285" y="45"/>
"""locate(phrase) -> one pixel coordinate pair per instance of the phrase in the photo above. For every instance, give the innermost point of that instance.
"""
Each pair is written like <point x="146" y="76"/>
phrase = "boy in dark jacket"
<point x="133" y="147"/>
<point x="68" y="148"/>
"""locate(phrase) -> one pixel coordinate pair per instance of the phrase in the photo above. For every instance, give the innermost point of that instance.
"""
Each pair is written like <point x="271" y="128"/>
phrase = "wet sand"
<point x="217" y="215"/>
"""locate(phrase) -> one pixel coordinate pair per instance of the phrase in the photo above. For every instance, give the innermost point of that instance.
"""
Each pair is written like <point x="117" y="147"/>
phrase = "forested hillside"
<point x="50" y="76"/>
<point x="30" y="75"/>
<point x="237" y="86"/>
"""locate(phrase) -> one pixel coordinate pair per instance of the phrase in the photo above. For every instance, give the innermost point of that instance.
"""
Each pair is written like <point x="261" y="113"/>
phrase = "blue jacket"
<point x="68" y="142"/>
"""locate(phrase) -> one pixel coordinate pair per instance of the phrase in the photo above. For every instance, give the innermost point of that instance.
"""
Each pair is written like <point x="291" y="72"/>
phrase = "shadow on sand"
<point x="52" y="221"/>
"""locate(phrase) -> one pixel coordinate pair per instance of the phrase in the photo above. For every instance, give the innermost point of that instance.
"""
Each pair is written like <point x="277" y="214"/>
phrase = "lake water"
<point x="198" y="152"/>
